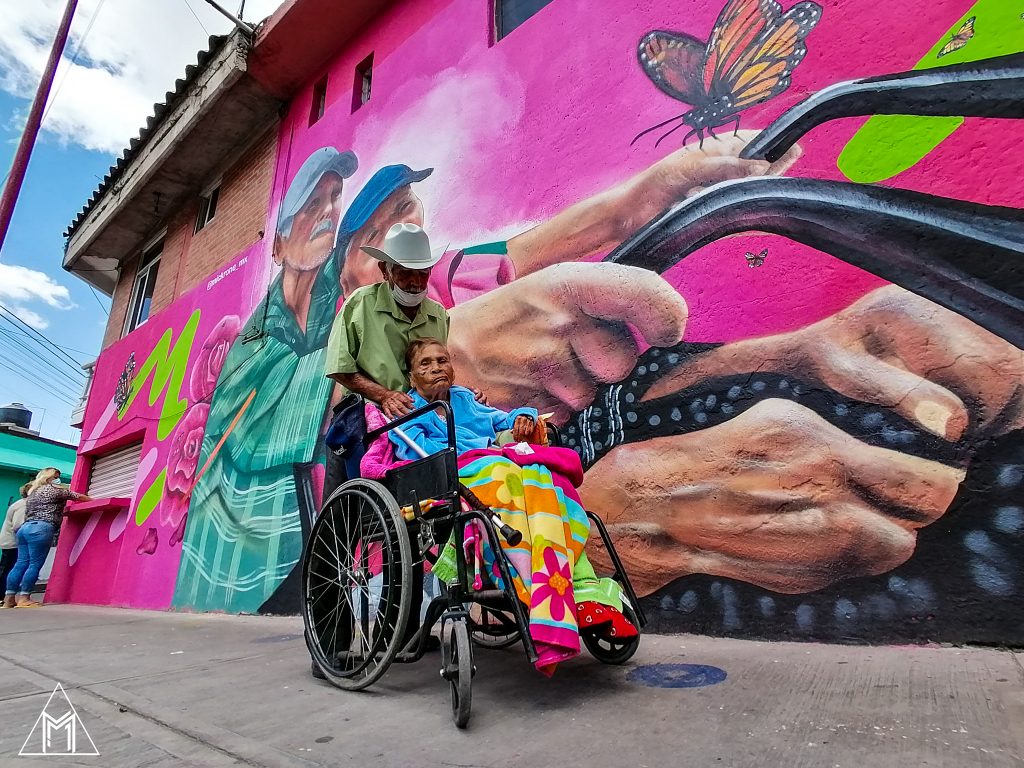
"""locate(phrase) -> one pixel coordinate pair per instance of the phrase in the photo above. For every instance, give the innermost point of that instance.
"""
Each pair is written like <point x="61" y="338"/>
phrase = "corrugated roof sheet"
<point x="160" y="110"/>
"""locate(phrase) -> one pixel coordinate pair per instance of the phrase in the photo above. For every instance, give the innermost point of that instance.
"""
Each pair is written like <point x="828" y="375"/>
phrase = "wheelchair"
<point x="363" y="572"/>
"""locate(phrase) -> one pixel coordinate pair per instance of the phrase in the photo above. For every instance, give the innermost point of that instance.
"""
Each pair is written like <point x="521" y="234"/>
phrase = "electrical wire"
<point x="187" y="3"/>
<point x="74" y="365"/>
<point x="97" y="297"/>
<point x="74" y="60"/>
<point x="49" y="360"/>
<point x="65" y="347"/>
<point x="31" y="358"/>
<point x="41" y="384"/>
<point x="17" y="343"/>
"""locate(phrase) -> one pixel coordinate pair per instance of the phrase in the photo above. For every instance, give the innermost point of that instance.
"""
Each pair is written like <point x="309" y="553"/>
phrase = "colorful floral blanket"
<point x="549" y="568"/>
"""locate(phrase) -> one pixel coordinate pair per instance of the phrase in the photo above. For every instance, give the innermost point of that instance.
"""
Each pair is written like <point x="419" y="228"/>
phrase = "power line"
<point x="187" y="3"/>
<point x="61" y="395"/>
<point x="34" y="357"/>
<point x="75" y="365"/>
<point x="97" y="297"/>
<point x="74" y="59"/>
<point x="27" y="338"/>
<point x="50" y="358"/>
<point x="65" y="347"/>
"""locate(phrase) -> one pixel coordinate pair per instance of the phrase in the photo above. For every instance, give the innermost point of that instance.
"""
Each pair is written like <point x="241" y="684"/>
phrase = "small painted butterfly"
<point x="960" y="38"/>
<point x="756" y="259"/>
<point x="124" y="383"/>
<point x="748" y="59"/>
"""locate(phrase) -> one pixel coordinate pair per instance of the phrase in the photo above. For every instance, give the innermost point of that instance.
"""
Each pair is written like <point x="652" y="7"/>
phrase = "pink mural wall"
<point x="784" y="443"/>
<point x="152" y="387"/>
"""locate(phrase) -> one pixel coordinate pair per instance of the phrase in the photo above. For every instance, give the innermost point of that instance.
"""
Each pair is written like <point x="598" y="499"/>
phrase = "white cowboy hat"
<point x="405" y="245"/>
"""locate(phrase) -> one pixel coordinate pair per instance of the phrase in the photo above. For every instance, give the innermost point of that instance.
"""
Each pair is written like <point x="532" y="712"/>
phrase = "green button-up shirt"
<point x="371" y="332"/>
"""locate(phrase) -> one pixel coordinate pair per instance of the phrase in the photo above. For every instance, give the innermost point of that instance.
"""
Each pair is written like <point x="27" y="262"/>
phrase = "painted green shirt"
<point x="371" y="332"/>
<point x="245" y="533"/>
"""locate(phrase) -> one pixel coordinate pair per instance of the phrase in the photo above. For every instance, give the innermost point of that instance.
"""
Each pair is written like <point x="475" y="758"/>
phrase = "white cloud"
<point x="21" y="285"/>
<point x="129" y="55"/>
<point x="28" y="317"/>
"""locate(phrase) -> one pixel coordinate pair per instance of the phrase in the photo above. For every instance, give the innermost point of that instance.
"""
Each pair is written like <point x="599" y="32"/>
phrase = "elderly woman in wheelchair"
<point x="486" y="488"/>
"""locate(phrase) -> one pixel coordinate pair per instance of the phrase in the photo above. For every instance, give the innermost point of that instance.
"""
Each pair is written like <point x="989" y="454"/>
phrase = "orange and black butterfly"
<point x="750" y="57"/>
<point x="960" y="38"/>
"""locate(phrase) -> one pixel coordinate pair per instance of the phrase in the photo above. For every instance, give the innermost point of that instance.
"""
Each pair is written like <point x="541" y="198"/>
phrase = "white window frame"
<point x="142" y="276"/>
<point x="204" y="216"/>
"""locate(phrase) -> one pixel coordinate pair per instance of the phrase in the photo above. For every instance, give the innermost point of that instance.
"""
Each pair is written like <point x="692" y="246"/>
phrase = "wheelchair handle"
<point x="512" y="536"/>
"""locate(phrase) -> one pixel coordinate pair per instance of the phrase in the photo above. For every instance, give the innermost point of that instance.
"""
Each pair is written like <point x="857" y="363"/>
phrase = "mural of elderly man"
<point x="245" y="530"/>
<point x="245" y="535"/>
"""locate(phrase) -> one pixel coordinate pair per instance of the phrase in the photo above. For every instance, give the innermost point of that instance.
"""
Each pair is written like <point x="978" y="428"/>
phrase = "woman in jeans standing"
<point x="44" y="510"/>
<point x="14" y="519"/>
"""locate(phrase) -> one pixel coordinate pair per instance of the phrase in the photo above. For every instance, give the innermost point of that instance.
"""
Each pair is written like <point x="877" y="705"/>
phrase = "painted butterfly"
<point x="960" y="38"/>
<point x="756" y="259"/>
<point x="749" y="58"/>
<point x="124" y="383"/>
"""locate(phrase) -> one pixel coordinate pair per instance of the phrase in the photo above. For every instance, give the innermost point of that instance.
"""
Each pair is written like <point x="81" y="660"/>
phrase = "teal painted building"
<point x="22" y="454"/>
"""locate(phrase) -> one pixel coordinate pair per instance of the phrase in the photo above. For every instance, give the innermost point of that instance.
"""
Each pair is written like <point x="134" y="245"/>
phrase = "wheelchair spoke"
<point x="357" y="579"/>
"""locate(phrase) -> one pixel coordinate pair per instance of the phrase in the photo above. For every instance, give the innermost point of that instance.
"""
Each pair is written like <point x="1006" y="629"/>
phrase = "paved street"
<point x="161" y="689"/>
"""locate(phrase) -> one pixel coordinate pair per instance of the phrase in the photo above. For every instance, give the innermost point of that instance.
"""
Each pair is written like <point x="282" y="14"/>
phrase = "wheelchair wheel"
<point x="458" y="671"/>
<point x="357" y="577"/>
<point x="490" y="628"/>
<point x="614" y="651"/>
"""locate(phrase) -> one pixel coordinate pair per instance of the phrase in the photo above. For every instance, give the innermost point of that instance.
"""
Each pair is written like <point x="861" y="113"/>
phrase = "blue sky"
<point x="112" y="71"/>
<point x="59" y="181"/>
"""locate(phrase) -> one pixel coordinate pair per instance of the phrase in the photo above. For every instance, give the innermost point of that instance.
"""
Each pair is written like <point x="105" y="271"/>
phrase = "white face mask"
<point x="407" y="299"/>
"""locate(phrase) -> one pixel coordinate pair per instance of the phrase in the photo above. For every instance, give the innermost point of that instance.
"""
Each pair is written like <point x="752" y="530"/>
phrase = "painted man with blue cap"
<point x="245" y="531"/>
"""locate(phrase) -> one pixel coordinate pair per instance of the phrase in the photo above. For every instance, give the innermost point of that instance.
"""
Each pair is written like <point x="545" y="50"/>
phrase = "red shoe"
<point x="591" y="615"/>
<point x="622" y="628"/>
<point x="604" y="621"/>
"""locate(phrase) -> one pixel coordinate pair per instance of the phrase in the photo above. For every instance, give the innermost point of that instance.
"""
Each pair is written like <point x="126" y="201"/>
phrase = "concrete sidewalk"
<point x="161" y="689"/>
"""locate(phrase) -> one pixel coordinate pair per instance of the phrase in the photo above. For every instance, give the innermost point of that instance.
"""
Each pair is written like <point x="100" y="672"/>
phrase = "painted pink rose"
<point x="148" y="544"/>
<point x="211" y="358"/>
<point x="186" y="443"/>
<point x="179" y="533"/>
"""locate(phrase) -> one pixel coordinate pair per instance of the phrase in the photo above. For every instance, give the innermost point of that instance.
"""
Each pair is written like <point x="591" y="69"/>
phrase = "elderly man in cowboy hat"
<point x="366" y="349"/>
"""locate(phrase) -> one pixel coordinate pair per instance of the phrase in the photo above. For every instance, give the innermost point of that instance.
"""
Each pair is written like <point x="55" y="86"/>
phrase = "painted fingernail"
<point x="933" y="416"/>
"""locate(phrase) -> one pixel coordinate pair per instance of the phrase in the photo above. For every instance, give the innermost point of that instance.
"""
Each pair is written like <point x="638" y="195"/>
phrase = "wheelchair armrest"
<point x="449" y="418"/>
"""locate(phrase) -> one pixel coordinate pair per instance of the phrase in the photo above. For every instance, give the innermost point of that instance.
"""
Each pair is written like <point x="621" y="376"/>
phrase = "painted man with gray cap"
<point x="269" y="406"/>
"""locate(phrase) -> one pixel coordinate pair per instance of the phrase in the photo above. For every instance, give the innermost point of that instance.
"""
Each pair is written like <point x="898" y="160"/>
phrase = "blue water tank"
<point x="17" y="414"/>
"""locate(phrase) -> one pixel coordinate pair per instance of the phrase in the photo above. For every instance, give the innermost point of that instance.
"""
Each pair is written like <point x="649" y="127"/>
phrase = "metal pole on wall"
<point x="35" y="118"/>
<point x="234" y="19"/>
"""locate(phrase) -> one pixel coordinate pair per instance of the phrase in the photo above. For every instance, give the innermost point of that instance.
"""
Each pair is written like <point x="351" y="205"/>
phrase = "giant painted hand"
<point x="599" y="223"/>
<point x="895" y="349"/>
<point x="550" y="338"/>
<point x="777" y="497"/>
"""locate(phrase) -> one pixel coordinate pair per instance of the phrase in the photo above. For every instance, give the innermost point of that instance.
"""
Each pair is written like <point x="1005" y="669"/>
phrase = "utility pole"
<point x="35" y="118"/>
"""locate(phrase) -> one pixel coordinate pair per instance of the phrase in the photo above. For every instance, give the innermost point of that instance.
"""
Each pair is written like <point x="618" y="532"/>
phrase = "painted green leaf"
<point x="887" y="145"/>
<point x="150" y="498"/>
<point x="166" y="366"/>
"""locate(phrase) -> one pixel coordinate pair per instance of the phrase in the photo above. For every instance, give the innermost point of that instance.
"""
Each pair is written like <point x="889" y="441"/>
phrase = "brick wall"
<point x="188" y="258"/>
<point x="241" y="213"/>
<point x="119" y="304"/>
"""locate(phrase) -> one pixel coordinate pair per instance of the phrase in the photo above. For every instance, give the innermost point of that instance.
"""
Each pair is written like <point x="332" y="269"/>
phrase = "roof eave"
<point x="214" y="109"/>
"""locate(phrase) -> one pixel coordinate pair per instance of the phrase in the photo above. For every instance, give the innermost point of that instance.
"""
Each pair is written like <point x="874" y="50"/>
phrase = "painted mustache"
<point x="324" y="226"/>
